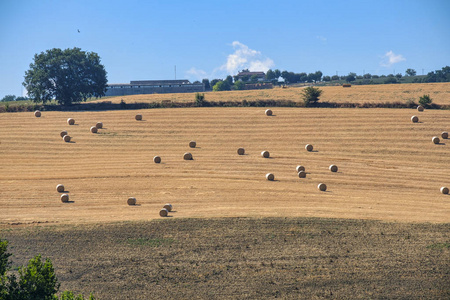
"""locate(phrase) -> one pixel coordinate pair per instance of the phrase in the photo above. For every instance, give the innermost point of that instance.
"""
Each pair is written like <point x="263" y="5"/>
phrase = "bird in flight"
<point x="78" y="30"/>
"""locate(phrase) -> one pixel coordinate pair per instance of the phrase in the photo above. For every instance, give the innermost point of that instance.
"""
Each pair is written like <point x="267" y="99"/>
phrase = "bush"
<point x="36" y="281"/>
<point x="311" y="95"/>
<point x="425" y="100"/>
<point x="200" y="100"/>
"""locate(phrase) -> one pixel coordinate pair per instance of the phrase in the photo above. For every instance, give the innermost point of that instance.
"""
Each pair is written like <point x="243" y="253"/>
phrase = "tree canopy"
<point x="69" y="76"/>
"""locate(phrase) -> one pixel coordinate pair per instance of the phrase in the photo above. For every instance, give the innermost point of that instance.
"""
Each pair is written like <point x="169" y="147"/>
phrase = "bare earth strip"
<point x="439" y="92"/>
<point x="388" y="167"/>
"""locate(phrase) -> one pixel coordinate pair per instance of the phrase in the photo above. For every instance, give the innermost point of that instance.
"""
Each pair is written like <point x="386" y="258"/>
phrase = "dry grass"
<point x="439" y="92"/>
<point x="239" y="258"/>
<point x="378" y="152"/>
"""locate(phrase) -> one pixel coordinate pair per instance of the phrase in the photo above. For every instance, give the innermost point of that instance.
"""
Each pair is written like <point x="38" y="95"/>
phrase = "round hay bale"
<point x="192" y="144"/>
<point x="138" y="117"/>
<point x="64" y="198"/>
<point x="37" y="113"/>
<point x="70" y="121"/>
<point x="63" y="133"/>
<point x="300" y="168"/>
<point x="99" y="125"/>
<point x="168" y="206"/>
<point x="131" y="201"/>
<point x="420" y="108"/>
<point x="163" y="212"/>
<point x="444" y="135"/>
<point x="265" y="154"/>
<point x="444" y="190"/>
<point x="414" y="119"/>
<point x="156" y="159"/>
<point x="94" y="129"/>
<point x="322" y="187"/>
<point x="241" y="151"/>
<point x="435" y="140"/>
<point x="187" y="156"/>
<point x="302" y="174"/>
<point x="309" y="147"/>
<point x="268" y="112"/>
<point x="60" y="188"/>
<point x="66" y="138"/>
<point x="270" y="177"/>
<point x="333" y="168"/>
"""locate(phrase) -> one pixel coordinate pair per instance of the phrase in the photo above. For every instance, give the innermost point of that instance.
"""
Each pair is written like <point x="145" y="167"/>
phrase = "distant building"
<point x="245" y="76"/>
<point x="153" y="87"/>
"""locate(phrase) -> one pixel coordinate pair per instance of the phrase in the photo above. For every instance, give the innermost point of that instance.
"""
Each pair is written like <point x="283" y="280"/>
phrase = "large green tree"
<point x="69" y="76"/>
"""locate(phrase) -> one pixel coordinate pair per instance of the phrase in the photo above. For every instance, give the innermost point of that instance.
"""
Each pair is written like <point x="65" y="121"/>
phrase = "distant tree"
<point x="390" y="79"/>
<point x="442" y="75"/>
<point x="229" y="79"/>
<point x="270" y="75"/>
<point x="196" y="82"/>
<point x="9" y="98"/>
<point x="303" y="77"/>
<point x="410" y="72"/>
<point x="375" y="76"/>
<point x="68" y="76"/>
<point x="311" y="95"/>
<point x="245" y="70"/>
<point x="350" y="77"/>
<point x="326" y="78"/>
<point x="214" y="81"/>
<point x="318" y="76"/>
<point x="335" y="77"/>
<point x="239" y="85"/>
<point x="398" y="75"/>
<point x="205" y="81"/>
<point x="359" y="77"/>
<point x="367" y="76"/>
<point x="285" y="76"/>
<point x="277" y="73"/>
<point x="20" y="98"/>
<point x="221" y="86"/>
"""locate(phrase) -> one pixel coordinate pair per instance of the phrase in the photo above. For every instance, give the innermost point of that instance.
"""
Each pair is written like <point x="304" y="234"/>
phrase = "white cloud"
<point x="391" y="58"/>
<point x="242" y="58"/>
<point x="245" y="58"/>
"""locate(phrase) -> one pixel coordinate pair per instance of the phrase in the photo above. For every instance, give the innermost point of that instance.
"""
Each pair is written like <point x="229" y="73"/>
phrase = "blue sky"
<point x="140" y="40"/>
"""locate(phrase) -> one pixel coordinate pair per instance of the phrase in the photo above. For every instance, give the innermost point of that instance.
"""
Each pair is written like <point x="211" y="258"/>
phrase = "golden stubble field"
<point x="388" y="167"/>
<point x="439" y="92"/>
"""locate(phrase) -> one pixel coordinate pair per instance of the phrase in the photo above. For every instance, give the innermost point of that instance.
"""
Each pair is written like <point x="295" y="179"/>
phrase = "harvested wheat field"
<point x="439" y="92"/>
<point x="388" y="167"/>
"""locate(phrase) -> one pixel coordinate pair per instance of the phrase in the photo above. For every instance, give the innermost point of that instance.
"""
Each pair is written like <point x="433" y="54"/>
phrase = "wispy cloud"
<point x="391" y="58"/>
<point x="321" y="38"/>
<point x="196" y="73"/>
<point x="242" y="58"/>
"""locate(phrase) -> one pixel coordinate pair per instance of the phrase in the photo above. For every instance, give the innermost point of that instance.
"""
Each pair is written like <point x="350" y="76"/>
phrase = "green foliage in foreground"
<point x="36" y="281"/>
<point x="311" y="95"/>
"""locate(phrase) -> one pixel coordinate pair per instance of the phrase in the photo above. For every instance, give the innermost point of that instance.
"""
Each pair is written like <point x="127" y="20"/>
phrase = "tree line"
<point x="72" y="76"/>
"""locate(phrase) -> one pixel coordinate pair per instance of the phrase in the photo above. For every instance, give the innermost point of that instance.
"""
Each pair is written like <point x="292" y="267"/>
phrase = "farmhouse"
<point x="245" y="76"/>
<point x="153" y="87"/>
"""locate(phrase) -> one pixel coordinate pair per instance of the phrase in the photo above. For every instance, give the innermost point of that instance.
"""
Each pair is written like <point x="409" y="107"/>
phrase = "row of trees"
<point x="73" y="75"/>
<point x="232" y="82"/>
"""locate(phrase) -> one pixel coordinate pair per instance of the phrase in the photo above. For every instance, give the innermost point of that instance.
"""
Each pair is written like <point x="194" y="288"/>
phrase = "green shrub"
<point x="311" y="95"/>
<point x="425" y="100"/>
<point x="200" y="100"/>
